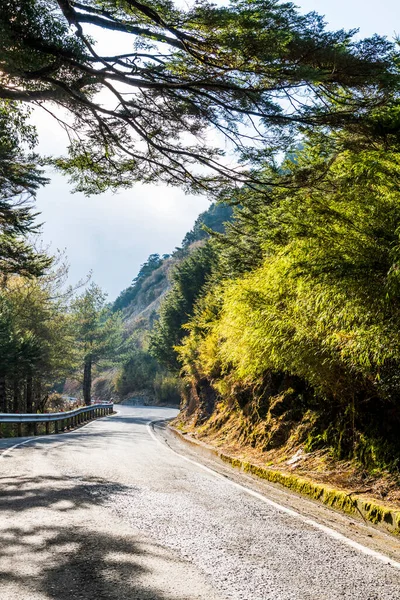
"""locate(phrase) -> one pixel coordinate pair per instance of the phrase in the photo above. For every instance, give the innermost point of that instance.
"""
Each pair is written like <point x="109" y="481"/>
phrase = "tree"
<point x="97" y="331"/>
<point x="189" y="280"/>
<point x="256" y="71"/>
<point x="306" y="287"/>
<point x="127" y="296"/>
<point x="20" y="178"/>
<point x="210" y="221"/>
<point x="36" y="341"/>
<point x="137" y="372"/>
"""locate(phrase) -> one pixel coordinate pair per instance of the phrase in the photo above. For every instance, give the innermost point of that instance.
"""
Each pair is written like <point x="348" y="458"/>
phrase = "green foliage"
<point x="212" y="220"/>
<point x="20" y="179"/>
<point x="137" y="373"/>
<point x="98" y="333"/>
<point x="37" y="346"/>
<point x="97" y="330"/>
<point x="186" y="70"/>
<point x="167" y="388"/>
<point x="189" y="277"/>
<point x="316" y="296"/>
<point x="142" y="373"/>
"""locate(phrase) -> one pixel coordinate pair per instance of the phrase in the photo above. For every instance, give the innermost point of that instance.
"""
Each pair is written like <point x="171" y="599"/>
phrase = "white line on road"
<point x="8" y="450"/>
<point x="327" y="530"/>
<point x="43" y="437"/>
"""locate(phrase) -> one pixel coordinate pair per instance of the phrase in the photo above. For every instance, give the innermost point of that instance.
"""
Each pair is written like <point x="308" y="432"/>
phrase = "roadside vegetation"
<point x="300" y="339"/>
<point x="44" y="336"/>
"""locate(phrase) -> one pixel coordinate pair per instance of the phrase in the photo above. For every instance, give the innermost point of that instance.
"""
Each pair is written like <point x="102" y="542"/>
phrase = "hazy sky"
<point x="113" y="234"/>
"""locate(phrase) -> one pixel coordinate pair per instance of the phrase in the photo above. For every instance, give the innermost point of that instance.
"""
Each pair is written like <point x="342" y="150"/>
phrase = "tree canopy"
<point x="255" y="71"/>
<point x="20" y="178"/>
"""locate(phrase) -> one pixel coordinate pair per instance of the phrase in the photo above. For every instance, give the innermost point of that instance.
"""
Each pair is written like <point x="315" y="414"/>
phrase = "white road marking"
<point x="327" y="530"/>
<point x="8" y="450"/>
<point x="46" y="437"/>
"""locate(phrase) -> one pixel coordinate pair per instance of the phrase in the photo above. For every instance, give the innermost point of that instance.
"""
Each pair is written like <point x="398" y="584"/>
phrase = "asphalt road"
<point x="120" y="511"/>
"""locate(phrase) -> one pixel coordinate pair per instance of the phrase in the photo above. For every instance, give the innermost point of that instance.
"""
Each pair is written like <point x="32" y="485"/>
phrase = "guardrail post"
<point x="19" y="429"/>
<point x="35" y="428"/>
<point x="55" y="426"/>
<point x="47" y="427"/>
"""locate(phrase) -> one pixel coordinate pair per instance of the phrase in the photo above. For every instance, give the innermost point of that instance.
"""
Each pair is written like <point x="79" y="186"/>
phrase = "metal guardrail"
<point x="61" y="420"/>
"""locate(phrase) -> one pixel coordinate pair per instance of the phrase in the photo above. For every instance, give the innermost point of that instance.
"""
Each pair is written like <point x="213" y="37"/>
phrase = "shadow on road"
<point x="55" y="538"/>
<point x="56" y="543"/>
<point x="64" y="564"/>
<point x="104" y="427"/>
<point x="57" y="493"/>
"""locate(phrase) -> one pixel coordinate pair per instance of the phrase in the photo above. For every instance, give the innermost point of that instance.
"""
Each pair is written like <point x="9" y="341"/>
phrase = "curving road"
<point x="118" y="510"/>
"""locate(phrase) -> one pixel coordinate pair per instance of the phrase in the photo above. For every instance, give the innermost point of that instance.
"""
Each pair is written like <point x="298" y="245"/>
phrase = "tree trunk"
<point x="3" y="394"/>
<point x="87" y="380"/>
<point x="16" y="406"/>
<point x="29" y="394"/>
<point x="39" y="401"/>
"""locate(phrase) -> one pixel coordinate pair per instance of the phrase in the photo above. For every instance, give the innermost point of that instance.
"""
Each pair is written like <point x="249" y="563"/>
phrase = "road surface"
<point x="118" y="510"/>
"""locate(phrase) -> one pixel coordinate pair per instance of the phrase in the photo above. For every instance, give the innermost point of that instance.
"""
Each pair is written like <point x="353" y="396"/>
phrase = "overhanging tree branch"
<point x="256" y="72"/>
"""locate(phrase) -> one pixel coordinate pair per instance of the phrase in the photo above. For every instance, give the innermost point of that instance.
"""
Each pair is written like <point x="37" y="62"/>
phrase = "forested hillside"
<point x="139" y="372"/>
<point x="286" y="328"/>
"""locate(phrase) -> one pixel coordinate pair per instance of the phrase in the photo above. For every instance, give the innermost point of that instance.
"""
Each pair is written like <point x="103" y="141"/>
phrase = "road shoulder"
<point x="353" y="527"/>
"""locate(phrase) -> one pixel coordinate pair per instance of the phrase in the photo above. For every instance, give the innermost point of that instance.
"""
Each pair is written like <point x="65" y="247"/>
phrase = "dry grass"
<point x="231" y="433"/>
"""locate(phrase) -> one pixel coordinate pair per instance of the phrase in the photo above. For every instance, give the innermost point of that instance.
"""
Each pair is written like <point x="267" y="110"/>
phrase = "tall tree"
<point x="97" y="330"/>
<point x="189" y="280"/>
<point x="36" y="341"/>
<point x="20" y="178"/>
<point x="258" y="63"/>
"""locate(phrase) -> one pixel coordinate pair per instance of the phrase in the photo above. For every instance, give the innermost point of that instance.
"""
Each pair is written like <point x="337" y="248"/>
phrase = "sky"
<point x="111" y="235"/>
